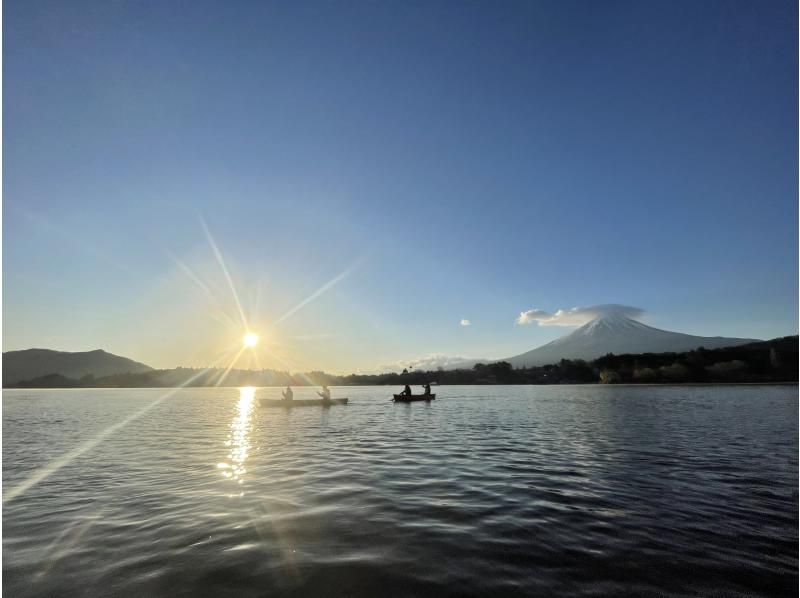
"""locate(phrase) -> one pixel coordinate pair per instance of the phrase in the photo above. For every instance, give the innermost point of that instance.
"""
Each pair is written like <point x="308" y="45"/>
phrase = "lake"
<point x="489" y="490"/>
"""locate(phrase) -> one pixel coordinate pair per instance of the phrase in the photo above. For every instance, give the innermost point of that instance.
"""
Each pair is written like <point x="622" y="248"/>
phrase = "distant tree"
<point x="644" y="374"/>
<point x="774" y="359"/>
<point x="502" y="371"/>
<point x="609" y="377"/>
<point x="676" y="372"/>
<point x="728" y="369"/>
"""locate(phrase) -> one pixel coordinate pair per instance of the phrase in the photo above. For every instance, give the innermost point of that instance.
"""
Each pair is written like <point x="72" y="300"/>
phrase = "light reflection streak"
<point x="68" y="539"/>
<point x="271" y="532"/>
<point x="46" y="471"/>
<point x="239" y="437"/>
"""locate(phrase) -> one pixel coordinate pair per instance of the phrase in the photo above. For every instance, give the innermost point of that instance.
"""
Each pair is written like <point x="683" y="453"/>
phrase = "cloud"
<point x="532" y="315"/>
<point x="466" y="323"/>
<point x="576" y="316"/>
<point x="431" y="361"/>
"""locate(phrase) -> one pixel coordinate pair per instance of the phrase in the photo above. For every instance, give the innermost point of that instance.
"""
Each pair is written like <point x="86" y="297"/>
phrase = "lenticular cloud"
<point x="577" y="316"/>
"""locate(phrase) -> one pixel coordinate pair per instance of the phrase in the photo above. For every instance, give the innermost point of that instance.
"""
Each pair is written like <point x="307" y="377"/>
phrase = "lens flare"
<point x="250" y="339"/>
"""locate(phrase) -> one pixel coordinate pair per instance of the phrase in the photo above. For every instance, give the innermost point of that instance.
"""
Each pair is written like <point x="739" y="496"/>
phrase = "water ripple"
<point x="557" y="491"/>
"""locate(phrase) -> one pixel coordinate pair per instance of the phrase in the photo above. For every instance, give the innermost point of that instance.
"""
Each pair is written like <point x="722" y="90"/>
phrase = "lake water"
<point x="490" y="490"/>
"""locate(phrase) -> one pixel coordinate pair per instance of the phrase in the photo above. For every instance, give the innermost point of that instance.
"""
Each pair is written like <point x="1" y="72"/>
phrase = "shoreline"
<point x="624" y="384"/>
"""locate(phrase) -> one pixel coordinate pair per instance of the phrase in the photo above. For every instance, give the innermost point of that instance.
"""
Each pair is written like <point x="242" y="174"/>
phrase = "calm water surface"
<point x="515" y="490"/>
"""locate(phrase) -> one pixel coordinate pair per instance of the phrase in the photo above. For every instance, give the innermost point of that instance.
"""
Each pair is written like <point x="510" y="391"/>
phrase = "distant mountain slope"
<point x="618" y="334"/>
<point x="34" y="363"/>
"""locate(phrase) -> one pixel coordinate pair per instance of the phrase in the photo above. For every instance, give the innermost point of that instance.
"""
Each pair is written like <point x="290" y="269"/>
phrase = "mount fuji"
<point x="615" y="333"/>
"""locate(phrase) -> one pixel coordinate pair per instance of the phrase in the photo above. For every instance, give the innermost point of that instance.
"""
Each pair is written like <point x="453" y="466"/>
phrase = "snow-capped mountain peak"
<point x="616" y="333"/>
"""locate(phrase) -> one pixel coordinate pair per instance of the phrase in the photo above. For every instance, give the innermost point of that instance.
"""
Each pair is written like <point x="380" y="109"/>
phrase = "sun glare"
<point x="250" y="339"/>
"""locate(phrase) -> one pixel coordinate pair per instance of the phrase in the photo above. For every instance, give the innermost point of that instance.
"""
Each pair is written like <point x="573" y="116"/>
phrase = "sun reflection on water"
<point x="239" y="437"/>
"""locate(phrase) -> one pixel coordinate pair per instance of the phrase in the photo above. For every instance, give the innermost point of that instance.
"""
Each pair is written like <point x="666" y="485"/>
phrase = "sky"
<point x="373" y="183"/>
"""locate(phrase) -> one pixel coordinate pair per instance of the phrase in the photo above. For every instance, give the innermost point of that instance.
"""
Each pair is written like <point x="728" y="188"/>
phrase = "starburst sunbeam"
<point x="46" y="471"/>
<point x="327" y="286"/>
<point x="226" y="319"/>
<point x="230" y="367"/>
<point x="218" y="255"/>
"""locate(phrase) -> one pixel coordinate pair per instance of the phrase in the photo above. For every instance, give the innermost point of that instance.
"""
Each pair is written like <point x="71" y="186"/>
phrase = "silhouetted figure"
<point x="427" y="388"/>
<point x="325" y="394"/>
<point x="288" y="395"/>
<point x="406" y="391"/>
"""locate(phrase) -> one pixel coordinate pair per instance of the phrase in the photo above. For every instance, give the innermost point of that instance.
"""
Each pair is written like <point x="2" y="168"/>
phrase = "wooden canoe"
<point x="301" y="402"/>
<point x="412" y="398"/>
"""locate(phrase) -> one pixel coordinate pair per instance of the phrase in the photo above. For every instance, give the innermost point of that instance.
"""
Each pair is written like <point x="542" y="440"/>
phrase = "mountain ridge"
<point x="608" y="333"/>
<point x="762" y="362"/>
<point x="27" y="364"/>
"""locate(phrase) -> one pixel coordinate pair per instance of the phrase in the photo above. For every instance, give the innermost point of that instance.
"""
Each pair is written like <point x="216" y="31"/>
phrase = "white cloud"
<point x="430" y="362"/>
<point x="576" y="316"/>
<point x="531" y="316"/>
<point x="466" y="323"/>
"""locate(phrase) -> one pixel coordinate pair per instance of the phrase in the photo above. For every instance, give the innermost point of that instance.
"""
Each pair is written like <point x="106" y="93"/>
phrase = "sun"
<point x="250" y="339"/>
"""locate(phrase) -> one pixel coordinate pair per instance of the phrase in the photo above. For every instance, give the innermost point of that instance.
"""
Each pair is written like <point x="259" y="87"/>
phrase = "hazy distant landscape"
<point x="611" y="348"/>
<point x="770" y="361"/>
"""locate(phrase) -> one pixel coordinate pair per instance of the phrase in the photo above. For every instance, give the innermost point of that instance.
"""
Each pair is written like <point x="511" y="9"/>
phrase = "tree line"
<point x="769" y="361"/>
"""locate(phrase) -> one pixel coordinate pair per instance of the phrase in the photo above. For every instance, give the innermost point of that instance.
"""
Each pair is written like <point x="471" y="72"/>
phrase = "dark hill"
<point x="36" y="363"/>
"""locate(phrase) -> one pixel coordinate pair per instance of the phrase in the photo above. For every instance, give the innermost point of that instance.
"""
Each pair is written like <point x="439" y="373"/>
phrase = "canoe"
<point x="412" y="398"/>
<point x="301" y="402"/>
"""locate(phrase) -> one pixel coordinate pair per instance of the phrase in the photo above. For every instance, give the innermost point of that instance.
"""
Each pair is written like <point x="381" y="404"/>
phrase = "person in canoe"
<point x="288" y="395"/>
<point x="406" y="391"/>
<point x="427" y="388"/>
<point x="325" y="394"/>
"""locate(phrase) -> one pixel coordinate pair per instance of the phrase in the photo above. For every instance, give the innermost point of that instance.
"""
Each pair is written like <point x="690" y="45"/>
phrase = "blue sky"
<point x="444" y="160"/>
